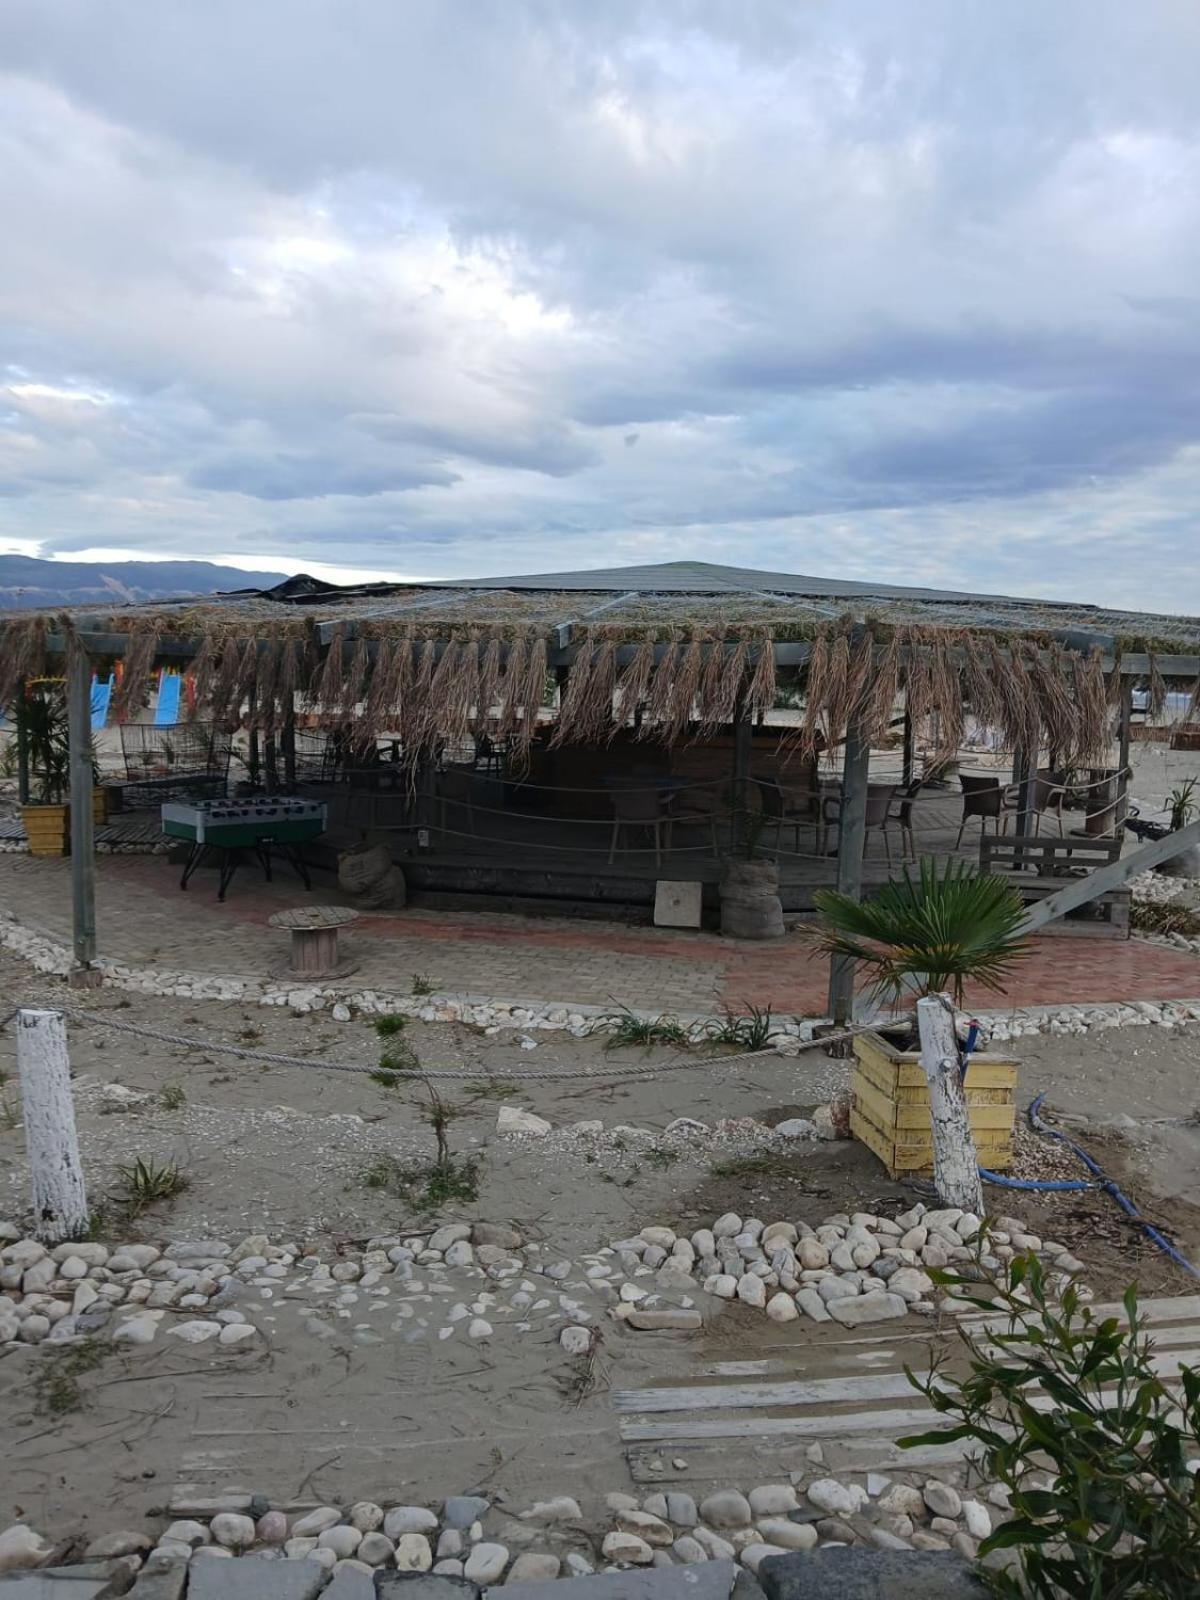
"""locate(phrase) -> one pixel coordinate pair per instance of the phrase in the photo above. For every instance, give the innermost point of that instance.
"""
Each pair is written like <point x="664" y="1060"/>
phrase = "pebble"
<point x="726" y="1509"/>
<point x="942" y="1500"/>
<point x="839" y="1499"/>
<point x="486" y="1563"/>
<point x="407" y="1519"/>
<point x="413" y="1553"/>
<point x="788" y="1535"/>
<point x="626" y="1549"/>
<point x="232" y="1531"/>
<point x="773" y="1500"/>
<point x="315" y="1522"/>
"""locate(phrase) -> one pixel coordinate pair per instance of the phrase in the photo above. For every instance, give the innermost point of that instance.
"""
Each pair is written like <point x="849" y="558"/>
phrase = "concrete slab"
<point x="707" y="1580"/>
<point x="53" y="1586"/>
<point x="677" y="903"/>
<point x="856" y="1573"/>
<point x="168" y="1583"/>
<point x="423" y="1586"/>
<point x="251" y="1578"/>
<point x="350" y="1585"/>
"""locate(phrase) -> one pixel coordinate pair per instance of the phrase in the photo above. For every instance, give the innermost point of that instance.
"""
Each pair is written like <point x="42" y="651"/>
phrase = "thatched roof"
<point x="686" y="645"/>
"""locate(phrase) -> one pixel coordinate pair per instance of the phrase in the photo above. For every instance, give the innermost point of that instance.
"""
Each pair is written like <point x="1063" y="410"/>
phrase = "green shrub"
<point x="1076" y="1422"/>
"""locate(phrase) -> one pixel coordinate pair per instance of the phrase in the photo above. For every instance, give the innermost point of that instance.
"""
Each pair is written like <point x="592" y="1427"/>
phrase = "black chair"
<point x="984" y="797"/>
<point x="785" y="808"/>
<point x="902" y="815"/>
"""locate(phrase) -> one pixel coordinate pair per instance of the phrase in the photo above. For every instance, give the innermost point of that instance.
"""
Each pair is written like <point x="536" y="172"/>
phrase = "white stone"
<point x="21" y="1547"/>
<point x="942" y="1500"/>
<point x="408" y="1519"/>
<point x="197" y="1332"/>
<point x="838" y="1499"/>
<point x="782" y="1308"/>
<point x="234" y="1333"/>
<point x="788" y="1535"/>
<point x="867" y="1308"/>
<point x="752" y="1290"/>
<point x="232" y="1530"/>
<point x="138" y="1330"/>
<point x="314" y="1523"/>
<point x="561" y="1509"/>
<point x="512" y="1119"/>
<point x="726" y="1508"/>
<point x="413" y="1553"/>
<point x="486" y="1563"/>
<point x="627" y="1549"/>
<point x="773" y="1500"/>
<point x="977" y="1519"/>
<point x="479" y="1328"/>
<point x="576" y="1341"/>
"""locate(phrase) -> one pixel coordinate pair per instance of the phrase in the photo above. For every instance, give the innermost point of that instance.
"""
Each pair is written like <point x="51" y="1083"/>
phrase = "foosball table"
<point x="232" y="828"/>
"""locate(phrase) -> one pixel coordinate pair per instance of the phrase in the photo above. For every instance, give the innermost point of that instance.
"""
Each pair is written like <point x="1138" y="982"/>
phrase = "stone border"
<point x="343" y="1002"/>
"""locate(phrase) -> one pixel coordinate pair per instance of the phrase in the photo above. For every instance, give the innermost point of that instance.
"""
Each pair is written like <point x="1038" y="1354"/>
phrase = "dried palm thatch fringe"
<point x="23" y="656"/>
<point x="635" y="683"/>
<point x="761" y="689"/>
<point x="681" y="680"/>
<point x="140" y="654"/>
<point x="586" y="712"/>
<point x="1158" y="689"/>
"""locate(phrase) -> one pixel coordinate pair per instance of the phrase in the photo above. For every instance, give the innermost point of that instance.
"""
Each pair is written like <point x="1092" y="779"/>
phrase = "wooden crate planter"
<point x="891" y="1106"/>
<point x="46" y="829"/>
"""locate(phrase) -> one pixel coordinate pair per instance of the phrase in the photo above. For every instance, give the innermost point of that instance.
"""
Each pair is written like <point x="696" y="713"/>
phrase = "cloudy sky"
<point x="904" y="288"/>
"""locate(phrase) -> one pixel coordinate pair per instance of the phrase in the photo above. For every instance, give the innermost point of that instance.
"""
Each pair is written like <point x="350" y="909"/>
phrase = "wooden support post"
<point x="60" y="1208"/>
<point x="1124" y="724"/>
<point x="22" y="745"/>
<point x="83" y="842"/>
<point x="253" y="760"/>
<point x="743" y="739"/>
<point x="271" y="761"/>
<point x="289" y="745"/>
<point x="955" y="1163"/>
<point x="852" y="829"/>
<point x="906" y="776"/>
<point x="1022" y="777"/>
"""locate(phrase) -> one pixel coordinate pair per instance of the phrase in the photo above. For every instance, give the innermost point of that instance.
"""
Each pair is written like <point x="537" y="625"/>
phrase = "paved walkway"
<point x="144" y="919"/>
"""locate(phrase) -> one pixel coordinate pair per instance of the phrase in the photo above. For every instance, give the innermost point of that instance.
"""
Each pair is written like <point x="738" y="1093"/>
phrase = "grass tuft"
<point x="625" y="1029"/>
<point x="56" y="1387"/>
<point x="171" y="1096"/>
<point x="422" y="983"/>
<point x="144" y="1183"/>
<point x="743" y="1031"/>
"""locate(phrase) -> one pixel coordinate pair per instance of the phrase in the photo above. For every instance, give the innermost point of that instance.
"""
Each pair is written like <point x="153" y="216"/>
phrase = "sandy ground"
<point x="283" y="1150"/>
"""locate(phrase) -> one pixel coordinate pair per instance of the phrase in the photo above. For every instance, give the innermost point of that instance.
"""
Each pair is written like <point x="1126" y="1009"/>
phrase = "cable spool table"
<point x="314" y="931"/>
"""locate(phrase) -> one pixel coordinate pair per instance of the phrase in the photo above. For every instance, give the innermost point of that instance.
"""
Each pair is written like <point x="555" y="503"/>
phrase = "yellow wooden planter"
<point x="46" y="829"/>
<point x="99" y="804"/>
<point x="891" y="1106"/>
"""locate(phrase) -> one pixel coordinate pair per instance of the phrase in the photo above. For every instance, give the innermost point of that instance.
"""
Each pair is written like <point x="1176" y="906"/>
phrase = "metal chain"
<point x="164" y="1036"/>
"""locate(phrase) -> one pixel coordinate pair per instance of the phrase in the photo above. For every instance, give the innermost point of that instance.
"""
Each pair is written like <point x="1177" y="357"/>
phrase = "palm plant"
<point x="41" y="719"/>
<point x="928" y="935"/>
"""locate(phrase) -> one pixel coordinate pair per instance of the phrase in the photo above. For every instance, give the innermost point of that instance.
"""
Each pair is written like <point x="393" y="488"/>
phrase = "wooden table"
<point x="314" y="931"/>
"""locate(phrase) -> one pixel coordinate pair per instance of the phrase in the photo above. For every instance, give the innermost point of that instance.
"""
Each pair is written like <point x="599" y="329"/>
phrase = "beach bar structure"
<point x="568" y="741"/>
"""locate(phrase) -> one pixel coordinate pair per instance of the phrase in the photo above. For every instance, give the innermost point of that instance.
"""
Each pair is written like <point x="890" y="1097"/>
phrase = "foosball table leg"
<point x="190" y="865"/>
<point x="229" y="865"/>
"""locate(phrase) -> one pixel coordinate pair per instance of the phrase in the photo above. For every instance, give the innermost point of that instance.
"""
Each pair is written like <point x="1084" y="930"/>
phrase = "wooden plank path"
<point x="773" y="1410"/>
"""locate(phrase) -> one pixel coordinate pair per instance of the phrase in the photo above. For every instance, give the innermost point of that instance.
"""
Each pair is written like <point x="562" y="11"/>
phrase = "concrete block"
<point x="167" y="1583"/>
<point x="677" y="904"/>
<point x="423" y="1586"/>
<point x="858" y="1573"/>
<point x="251" y="1578"/>
<point x="706" y="1580"/>
<point x="53" y="1586"/>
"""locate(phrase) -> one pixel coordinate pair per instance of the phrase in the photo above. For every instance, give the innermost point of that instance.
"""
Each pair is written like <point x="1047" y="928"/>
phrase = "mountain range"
<point x="27" y="582"/>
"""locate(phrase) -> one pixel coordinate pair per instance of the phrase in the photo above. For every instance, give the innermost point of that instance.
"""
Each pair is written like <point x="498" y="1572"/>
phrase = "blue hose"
<point x="1098" y="1181"/>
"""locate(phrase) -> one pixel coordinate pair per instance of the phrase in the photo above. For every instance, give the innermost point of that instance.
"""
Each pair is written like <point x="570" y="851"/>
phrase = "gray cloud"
<point x="896" y="290"/>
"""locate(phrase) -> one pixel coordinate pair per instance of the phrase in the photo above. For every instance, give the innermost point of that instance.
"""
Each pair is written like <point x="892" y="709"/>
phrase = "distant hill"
<point x="27" y="583"/>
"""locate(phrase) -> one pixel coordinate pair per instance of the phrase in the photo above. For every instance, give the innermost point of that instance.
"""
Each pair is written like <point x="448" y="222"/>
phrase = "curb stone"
<point x="854" y="1573"/>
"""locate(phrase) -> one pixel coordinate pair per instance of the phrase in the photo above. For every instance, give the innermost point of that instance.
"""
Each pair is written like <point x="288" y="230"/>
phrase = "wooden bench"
<point x="1036" y="868"/>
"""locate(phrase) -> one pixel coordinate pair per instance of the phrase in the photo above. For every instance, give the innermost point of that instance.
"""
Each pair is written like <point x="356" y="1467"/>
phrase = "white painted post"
<point x="955" y="1163"/>
<point x="60" y="1208"/>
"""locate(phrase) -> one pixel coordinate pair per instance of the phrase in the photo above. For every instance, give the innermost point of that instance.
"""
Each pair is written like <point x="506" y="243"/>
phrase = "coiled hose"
<point x="1097" y="1181"/>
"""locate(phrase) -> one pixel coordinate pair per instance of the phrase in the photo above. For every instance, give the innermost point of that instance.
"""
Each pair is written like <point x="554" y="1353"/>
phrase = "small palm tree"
<point x="929" y="935"/>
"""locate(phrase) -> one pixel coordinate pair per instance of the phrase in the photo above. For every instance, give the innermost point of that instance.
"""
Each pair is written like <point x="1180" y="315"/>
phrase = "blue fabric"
<point x="101" y="695"/>
<point x="166" y="712"/>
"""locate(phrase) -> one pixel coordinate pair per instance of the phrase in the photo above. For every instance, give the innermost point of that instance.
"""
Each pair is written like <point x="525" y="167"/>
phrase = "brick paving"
<point x="144" y="919"/>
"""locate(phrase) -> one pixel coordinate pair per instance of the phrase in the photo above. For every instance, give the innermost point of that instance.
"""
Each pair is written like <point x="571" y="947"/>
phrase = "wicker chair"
<point x="638" y="808"/>
<point x="984" y="797"/>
